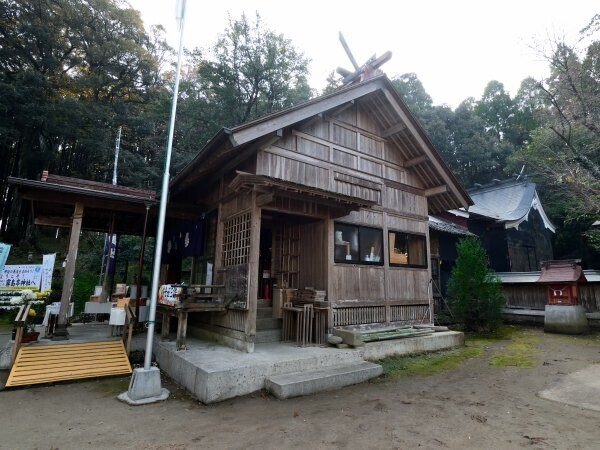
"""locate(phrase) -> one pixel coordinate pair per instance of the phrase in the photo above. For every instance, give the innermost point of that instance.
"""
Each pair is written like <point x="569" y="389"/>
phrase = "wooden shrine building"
<point x="332" y="194"/>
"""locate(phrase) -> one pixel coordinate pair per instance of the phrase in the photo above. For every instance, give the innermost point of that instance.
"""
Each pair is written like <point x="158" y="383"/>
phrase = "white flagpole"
<point x="164" y="197"/>
<point x="145" y="386"/>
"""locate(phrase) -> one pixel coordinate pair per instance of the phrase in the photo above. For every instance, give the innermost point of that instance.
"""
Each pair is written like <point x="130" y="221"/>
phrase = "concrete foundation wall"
<point x="214" y="373"/>
<point x="567" y="319"/>
<point x="213" y="334"/>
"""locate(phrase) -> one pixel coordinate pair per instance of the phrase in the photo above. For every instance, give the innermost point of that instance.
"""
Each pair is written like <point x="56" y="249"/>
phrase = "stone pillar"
<point x="61" y="327"/>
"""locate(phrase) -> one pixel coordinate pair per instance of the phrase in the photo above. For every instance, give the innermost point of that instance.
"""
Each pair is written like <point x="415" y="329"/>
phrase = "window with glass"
<point x="408" y="250"/>
<point x="358" y="245"/>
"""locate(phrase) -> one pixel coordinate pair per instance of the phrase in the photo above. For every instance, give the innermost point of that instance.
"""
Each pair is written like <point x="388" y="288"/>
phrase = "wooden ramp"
<point x="50" y="363"/>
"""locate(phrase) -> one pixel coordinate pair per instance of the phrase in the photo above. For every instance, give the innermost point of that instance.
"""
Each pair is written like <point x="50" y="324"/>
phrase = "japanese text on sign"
<point x="169" y="294"/>
<point x="22" y="276"/>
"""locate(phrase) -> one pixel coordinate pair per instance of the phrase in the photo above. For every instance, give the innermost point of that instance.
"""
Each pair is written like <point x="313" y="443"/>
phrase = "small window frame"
<point x="357" y="244"/>
<point x="399" y="249"/>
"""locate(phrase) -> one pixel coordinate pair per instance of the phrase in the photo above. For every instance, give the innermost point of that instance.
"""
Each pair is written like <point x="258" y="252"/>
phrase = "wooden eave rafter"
<point x="31" y="190"/>
<point x="255" y="129"/>
<point x="417" y="160"/>
<point x="378" y="96"/>
<point x="246" y="181"/>
<point x="52" y="205"/>
<point x="427" y="148"/>
<point x="436" y="190"/>
<point x="396" y="128"/>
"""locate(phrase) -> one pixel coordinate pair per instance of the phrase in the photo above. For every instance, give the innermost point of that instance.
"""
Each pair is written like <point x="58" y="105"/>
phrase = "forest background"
<point x="73" y="73"/>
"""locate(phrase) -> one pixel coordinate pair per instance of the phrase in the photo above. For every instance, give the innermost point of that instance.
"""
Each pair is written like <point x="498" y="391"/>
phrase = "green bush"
<point x="83" y="287"/>
<point x="474" y="293"/>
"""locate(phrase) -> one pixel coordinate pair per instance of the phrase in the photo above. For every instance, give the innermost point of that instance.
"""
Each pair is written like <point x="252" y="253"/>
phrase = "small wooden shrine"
<point x="562" y="279"/>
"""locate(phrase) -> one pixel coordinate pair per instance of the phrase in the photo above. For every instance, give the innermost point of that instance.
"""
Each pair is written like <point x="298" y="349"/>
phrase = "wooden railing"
<point x="130" y="320"/>
<point x="19" y="326"/>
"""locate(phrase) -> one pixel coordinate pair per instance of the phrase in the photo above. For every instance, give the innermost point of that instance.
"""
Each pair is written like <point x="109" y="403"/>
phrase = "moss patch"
<point x="427" y="364"/>
<point x="520" y="352"/>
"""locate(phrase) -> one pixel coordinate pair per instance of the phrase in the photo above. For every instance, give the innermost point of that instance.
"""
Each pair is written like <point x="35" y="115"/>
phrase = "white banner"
<point x="47" y="270"/>
<point x="21" y="276"/>
<point x="4" y="251"/>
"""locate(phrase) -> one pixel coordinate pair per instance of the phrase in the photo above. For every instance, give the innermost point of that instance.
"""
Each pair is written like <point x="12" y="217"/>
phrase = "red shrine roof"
<point x="567" y="270"/>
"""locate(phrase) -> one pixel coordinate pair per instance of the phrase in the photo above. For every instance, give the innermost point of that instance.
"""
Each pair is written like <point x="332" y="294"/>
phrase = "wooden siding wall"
<point x="234" y="319"/>
<point x="344" y="154"/>
<point x="534" y="296"/>
<point x="312" y="256"/>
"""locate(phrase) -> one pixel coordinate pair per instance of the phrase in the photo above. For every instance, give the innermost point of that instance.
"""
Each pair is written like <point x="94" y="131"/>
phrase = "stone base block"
<point x="566" y="319"/>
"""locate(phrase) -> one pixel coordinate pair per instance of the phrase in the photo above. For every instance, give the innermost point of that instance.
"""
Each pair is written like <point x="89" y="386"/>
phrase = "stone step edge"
<point x="331" y="377"/>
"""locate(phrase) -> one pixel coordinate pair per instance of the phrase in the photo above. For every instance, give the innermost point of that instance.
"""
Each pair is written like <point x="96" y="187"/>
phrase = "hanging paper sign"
<point x="47" y="270"/>
<point x="170" y="294"/>
<point x="22" y="276"/>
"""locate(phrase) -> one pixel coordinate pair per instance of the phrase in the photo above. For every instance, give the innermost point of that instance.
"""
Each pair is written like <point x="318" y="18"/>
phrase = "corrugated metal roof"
<point x="518" y="277"/>
<point x="592" y="276"/>
<point x="444" y="226"/>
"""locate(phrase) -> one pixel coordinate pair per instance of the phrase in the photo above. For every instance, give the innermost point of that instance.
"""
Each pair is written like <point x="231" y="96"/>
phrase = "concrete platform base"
<point x="213" y="373"/>
<point x="326" y="379"/>
<point x="144" y="387"/>
<point x="578" y="389"/>
<point x="567" y="319"/>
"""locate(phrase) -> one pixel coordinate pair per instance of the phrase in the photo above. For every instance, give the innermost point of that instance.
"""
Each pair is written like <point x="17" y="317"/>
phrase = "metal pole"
<point x="117" y="144"/>
<point x="163" y="203"/>
<point x="138" y="294"/>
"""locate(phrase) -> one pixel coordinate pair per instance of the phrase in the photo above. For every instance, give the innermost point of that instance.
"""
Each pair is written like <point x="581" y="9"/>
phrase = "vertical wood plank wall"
<point x="312" y="255"/>
<point x="344" y="154"/>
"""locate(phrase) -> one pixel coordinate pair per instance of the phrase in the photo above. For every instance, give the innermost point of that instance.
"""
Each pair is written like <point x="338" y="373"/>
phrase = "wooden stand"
<point x="194" y="301"/>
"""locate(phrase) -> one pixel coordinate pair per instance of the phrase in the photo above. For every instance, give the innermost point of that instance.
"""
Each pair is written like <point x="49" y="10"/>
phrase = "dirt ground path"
<point x="475" y="405"/>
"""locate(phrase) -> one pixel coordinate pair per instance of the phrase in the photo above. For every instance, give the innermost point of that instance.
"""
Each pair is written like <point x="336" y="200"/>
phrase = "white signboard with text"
<point x="21" y="276"/>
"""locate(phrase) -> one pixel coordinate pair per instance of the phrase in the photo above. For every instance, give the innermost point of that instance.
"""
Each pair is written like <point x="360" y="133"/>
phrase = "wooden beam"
<point x="348" y="52"/>
<point x="50" y="221"/>
<point x="309" y="109"/>
<point x="436" y="190"/>
<point x="443" y="172"/>
<point x="393" y="129"/>
<point x="264" y="199"/>
<point x="343" y="72"/>
<point x="415" y="161"/>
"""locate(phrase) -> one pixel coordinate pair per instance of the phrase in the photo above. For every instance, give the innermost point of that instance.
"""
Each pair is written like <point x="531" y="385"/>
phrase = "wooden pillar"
<point x="61" y="327"/>
<point x="332" y="294"/>
<point x="250" y="328"/>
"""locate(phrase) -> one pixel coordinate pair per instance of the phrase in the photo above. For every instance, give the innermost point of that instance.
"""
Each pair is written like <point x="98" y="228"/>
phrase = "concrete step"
<point x="267" y="336"/>
<point x="264" y="312"/>
<point x="325" y="379"/>
<point x="268" y="324"/>
<point x="261" y="302"/>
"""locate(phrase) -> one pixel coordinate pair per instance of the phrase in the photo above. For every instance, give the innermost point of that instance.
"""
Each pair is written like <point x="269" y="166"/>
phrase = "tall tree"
<point x="70" y="73"/>
<point x="253" y="71"/>
<point x="565" y="150"/>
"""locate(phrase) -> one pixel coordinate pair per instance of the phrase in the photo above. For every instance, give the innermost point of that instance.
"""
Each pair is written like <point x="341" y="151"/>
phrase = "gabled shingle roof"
<point x="380" y="98"/>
